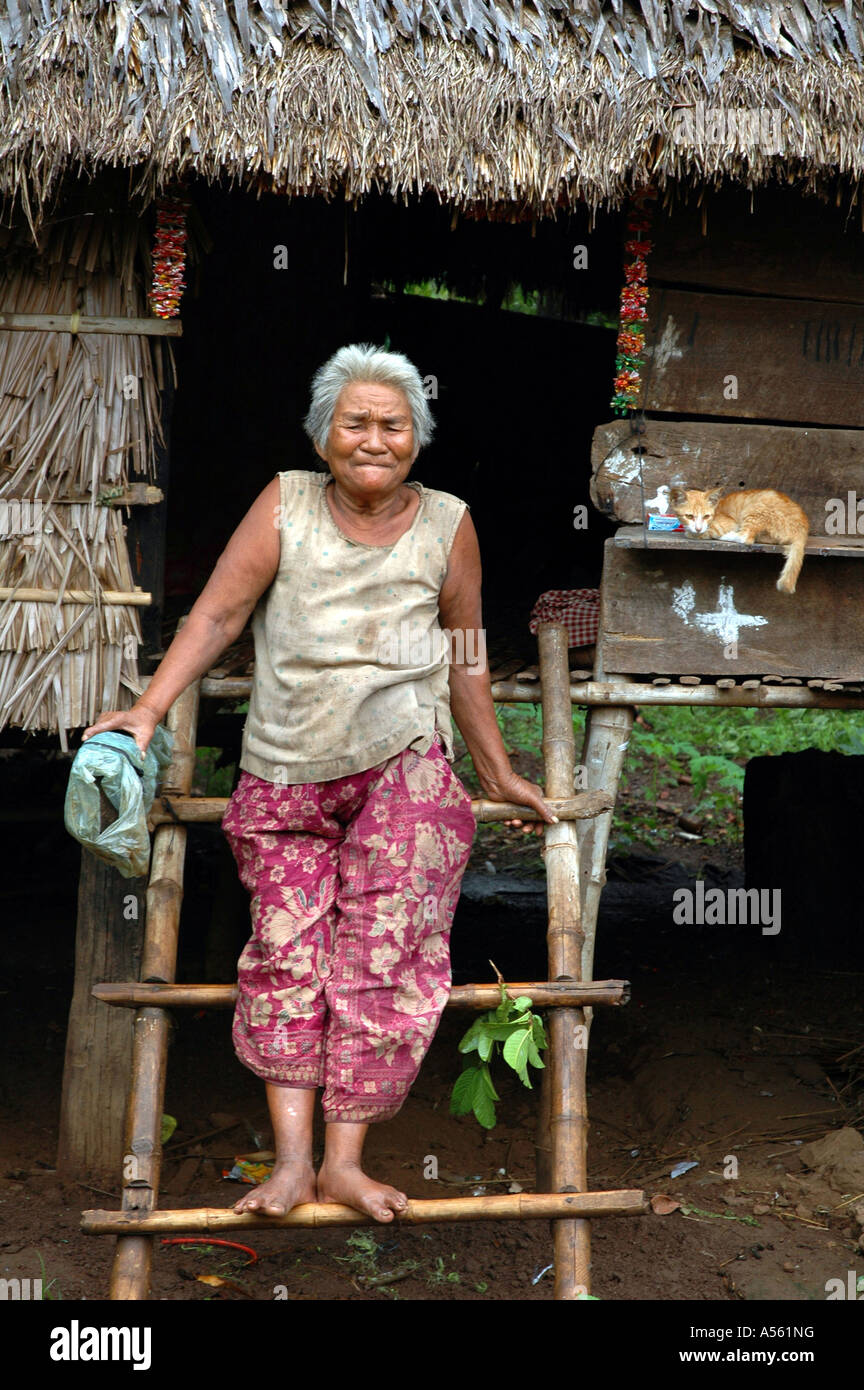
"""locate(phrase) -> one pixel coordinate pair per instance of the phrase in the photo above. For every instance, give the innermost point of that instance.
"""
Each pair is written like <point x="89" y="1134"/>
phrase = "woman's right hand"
<point x="139" y="721"/>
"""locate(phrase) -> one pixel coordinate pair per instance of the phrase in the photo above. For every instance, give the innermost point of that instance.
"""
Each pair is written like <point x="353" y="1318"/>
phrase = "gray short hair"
<point x="362" y="362"/>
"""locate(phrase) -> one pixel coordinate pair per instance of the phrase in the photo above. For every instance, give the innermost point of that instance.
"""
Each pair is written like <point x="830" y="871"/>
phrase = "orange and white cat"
<point x="756" y="514"/>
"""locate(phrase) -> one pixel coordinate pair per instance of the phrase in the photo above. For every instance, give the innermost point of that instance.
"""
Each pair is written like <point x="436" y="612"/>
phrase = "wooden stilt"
<point x="566" y="1084"/>
<point x="607" y="734"/>
<point x="130" y="1277"/>
<point x="542" y="1206"/>
<point x="98" y="1042"/>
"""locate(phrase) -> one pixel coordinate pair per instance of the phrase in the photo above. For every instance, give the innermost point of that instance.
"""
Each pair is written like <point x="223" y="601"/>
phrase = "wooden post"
<point x="607" y="734"/>
<point x="99" y="1039"/>
<point x="567" y="1064"/>
<point x="146" y="533"/>
<point x="130" y="1276"/>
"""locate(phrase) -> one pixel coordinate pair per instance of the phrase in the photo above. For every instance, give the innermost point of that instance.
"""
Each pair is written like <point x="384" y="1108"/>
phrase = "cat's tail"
<point x="794" y="560"/>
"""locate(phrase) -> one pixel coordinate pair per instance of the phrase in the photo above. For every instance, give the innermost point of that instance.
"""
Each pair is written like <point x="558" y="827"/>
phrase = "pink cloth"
<point x="577" y="609"/>
<point x="354" y="883"/>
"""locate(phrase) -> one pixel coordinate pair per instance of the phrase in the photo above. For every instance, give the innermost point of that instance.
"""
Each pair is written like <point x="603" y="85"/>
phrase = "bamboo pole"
<point x="200" y="810"/>
<point x="566" y="1081"/>
<point x="130" y="1275"/>
<point x="524" y="1206"/>
<point x="135" y="598"/>
<point x="606" y="692"/>
<point x="544" y="995"/>
<point x="135" y="495"/>
<point x="90" y="323"/>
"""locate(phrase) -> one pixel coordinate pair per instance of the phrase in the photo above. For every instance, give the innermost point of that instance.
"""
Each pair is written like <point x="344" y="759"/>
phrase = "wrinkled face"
<point x="370" y="448"/>
<point x="695" y="509"/>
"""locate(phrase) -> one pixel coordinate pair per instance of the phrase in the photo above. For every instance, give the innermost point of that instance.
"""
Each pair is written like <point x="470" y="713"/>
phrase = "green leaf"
<point x="169" y="1124"/>
<point x="485" y="1045"/>
<point x="462" y="1099"/>
<point x="523" y="1004"/>
<point x="486" y="1084"/>
<point x="538" y="1031"/>
<point x="533" y="1055"/>
<point x="484" y="1109"/>
<point x="471" y="1038"/>
<point x="499" y="1031"/>
<point x="516" y="1053"/>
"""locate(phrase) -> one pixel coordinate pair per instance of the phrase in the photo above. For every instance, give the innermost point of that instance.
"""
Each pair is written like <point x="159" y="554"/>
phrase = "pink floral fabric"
<point x="354" y="883"/>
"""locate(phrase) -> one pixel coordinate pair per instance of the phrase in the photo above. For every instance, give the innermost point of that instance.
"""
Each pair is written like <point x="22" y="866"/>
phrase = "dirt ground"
<point x="729" y="1057"/>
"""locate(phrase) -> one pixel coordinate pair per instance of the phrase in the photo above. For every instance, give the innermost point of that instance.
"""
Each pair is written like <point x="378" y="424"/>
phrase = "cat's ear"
<point x="677" y="496"/>
<point x="715" y="493"/>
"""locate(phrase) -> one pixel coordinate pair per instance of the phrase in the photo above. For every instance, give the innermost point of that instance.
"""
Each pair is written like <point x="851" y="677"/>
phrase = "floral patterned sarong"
<point x="354" y="883"/>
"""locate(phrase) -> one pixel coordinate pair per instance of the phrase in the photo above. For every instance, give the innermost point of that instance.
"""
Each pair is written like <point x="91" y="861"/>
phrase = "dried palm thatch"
<point x="539" y="102"/>
<point x="78" y="418"/>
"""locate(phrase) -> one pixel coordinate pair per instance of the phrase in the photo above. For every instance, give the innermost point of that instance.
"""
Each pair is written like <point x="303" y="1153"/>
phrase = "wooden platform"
<point x="680" y="606"/>
<point x="640" y="538"/>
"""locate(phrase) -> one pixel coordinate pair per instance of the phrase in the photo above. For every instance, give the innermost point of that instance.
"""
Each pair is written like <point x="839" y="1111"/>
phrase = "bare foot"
<point x="347" y="1184"/>
<point x="291" y="1182"/>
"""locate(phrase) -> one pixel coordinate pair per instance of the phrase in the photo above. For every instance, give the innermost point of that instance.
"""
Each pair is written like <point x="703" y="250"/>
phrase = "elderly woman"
<point x="350" y="830"/>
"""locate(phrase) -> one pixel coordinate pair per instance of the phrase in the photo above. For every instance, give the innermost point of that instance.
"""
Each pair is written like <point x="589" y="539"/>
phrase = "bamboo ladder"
<point x="570" y="993"/>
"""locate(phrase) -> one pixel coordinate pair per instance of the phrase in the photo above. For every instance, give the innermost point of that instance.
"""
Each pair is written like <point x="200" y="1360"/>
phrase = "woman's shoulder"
<point x="444" y="511"/>
<point x="297" y="477"/>
<point x="296" y="484"/>
<point x="443" y="500"/>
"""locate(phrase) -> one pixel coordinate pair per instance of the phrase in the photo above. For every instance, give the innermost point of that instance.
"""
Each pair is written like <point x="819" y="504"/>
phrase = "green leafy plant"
<point x="441" y="1275"/>
<point x="49" y="1291"/>
<point x="364" y="1253"/>
<point x="518" y="1033"/>
<point x="363" y="1259"/>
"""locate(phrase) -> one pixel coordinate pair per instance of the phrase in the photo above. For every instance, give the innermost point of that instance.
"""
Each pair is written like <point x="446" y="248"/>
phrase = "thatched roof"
<point x="532" y="101"/>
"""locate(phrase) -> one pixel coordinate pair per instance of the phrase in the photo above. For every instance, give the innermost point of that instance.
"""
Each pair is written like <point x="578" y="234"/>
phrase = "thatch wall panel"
<point x="69" y="430"/>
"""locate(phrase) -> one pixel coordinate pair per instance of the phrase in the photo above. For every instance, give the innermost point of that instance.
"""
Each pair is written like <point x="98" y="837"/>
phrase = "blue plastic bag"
<point x="114" y="762"/>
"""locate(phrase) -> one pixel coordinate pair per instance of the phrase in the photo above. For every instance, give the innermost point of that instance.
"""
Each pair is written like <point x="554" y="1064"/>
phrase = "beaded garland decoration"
<point x="634" y="298"/>
<point x="169" y="256"/>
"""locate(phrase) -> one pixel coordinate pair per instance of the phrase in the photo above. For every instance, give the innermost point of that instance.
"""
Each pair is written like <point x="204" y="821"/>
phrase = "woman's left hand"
<point x="511" y="787"/>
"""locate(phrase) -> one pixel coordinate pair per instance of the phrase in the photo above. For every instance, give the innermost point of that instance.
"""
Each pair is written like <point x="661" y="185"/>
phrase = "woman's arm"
<point x="471" y="702"/>
<point x="246" y="567"/>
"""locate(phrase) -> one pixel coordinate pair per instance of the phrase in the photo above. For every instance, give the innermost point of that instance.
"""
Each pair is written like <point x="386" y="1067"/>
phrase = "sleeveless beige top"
<point x="348" y="668"/>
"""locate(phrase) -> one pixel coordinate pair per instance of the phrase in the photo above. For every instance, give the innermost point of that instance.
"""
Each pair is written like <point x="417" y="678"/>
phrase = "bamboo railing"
<point x="570" y="999"/>
<point x="543" y="1206"/>
<point x="543" y="995"/>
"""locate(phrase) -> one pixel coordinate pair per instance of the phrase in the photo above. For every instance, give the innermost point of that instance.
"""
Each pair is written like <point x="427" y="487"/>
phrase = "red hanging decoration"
<point x="169" y="256"/>
<point x="634" y="299"/>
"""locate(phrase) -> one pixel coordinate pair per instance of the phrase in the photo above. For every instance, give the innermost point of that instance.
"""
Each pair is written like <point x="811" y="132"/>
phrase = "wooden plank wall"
<point x="754" y="377"/>
<point x="812" y="465"/>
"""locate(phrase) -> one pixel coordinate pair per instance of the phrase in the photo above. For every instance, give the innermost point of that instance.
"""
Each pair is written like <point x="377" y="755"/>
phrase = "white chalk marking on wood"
<point x="724" y="623"/>
<point x="624" y="465"/>
<point x="667" y="347"/>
